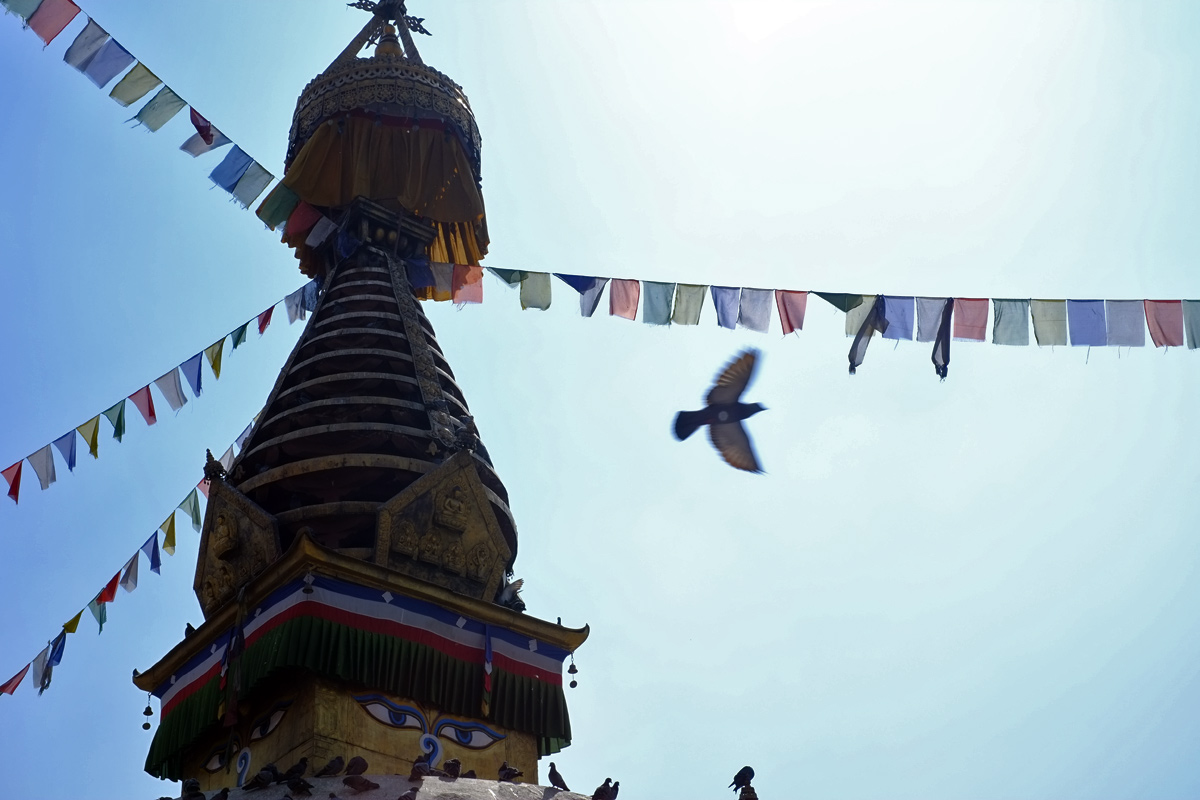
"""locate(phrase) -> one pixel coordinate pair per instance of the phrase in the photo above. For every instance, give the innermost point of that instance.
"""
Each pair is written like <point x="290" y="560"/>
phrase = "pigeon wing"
<point x="734" y="379"/>
<point x="733" y="443"/>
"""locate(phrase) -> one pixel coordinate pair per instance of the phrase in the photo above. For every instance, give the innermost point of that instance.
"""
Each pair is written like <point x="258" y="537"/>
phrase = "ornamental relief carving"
<point x="238" y="541"/>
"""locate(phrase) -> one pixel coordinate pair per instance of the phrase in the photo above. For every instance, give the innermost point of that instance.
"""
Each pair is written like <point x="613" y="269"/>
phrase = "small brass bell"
<point x="572" y="670"/>
<point x="149" y="712"/>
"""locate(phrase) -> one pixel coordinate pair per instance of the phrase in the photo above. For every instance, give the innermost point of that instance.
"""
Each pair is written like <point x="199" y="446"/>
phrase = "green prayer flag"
<point x="535" y="291"/>
<point x="22" y="8"/>
<point x="513" y="277"/>
<point x="191" y="507"/>
<point x="116" y="415"/>
<point x="278" y="206"/>
<point x="842" y="302"/>
<point x="239" y="336"/>
<point x="99" y="611"/>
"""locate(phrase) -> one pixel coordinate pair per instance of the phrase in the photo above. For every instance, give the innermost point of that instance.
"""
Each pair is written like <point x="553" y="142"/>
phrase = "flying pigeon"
<point x="297" y="770"/>
<point x="359" y="784"/>
<point x="332" y="768"/>
<point x="357" y="766"/>
<point x="603" y="791"/>
<point x="452" y="767"/>
<point x="509" y="774"/>
<point x="743" y="778"/>
<point x="300" y="786"/>
<point x="556" y="780"/>
<point x="723" y="413"/>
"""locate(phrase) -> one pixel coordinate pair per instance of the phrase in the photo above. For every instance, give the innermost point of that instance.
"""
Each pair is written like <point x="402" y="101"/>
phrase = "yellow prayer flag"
<point x="213" y="354"/>
<point x="168" y="528"/>
<point x="73" y="625"/>
<point x="136" y="84"/>
<point x="90" y="431"/>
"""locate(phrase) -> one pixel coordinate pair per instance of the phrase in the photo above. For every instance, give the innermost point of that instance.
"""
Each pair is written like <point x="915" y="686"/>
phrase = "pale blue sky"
<point x="972" y="589"/>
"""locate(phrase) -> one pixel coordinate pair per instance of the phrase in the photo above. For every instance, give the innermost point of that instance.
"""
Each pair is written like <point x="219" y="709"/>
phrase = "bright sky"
<point x="972" y="589"/>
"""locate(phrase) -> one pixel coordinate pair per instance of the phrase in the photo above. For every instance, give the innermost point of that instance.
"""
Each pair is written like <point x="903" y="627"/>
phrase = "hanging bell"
<point x="149" y="712"/>
<point x="572" y="670"/>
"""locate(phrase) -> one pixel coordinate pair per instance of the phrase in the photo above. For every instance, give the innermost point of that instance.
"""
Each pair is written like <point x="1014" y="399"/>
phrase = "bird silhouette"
<point x="357" y="766"/>
<point x="469" y="774"/>
<point x="420" y="770"/>
<point x="359" y="784"/>
<point x="603" y="791"/>
<point x="297" y="770"/>
<point x="411" y="794"/>
<point x="723" y="413"/>
<point x="743" y="778"/>
<point x="299" y="786"/>
<point x="332" y="768"/>
<point x="556" y="780"/>
<point x="452" y="767"/>
<point x="616" y="788"/>
<point x="509" y="774"/>
<point x="265" y="777"/>
<point x="221" y="795"/>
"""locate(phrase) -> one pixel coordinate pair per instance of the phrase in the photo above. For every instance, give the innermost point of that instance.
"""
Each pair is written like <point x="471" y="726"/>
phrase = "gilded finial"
<point x="389" y="43"/>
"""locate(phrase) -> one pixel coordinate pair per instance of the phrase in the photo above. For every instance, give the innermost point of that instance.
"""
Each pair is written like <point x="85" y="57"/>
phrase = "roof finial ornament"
<point x="384" y="11"/>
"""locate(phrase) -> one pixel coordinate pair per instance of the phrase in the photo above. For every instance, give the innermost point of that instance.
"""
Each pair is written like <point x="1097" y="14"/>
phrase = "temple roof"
<point x="392" y="786"/>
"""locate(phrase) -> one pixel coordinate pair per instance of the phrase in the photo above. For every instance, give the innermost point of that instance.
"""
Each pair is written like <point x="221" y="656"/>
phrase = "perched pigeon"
<point x="357" y="766"/>
<point x="743" y="778"/>
<point x="420" y="770"/>
<point x="556" y="780"/>
<point x="510" y="595"/>
<point x="297" y="770"/>
<point x="723" y="413"/>
<point x="509" y="774"/>
<point x="221" y="795"/>
<point x="616" y="788"/>
<point x="359" y="784"/>
<point x="330" y="769"/>
<point x="265" y="777"/>
<point x="452" y="767"/>
<point x="603" y="791"/>
<point x="411" y="794"/>
<point x="299" y="786"/>
<point x="468" y="774"/>
<point x="190" y="790"/>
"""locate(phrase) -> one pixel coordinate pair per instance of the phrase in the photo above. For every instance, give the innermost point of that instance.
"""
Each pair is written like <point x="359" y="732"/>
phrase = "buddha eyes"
<point x="391" y="714"/>
<point x="270" y="722"/>
<point x="471" y="735"/>
<point x="216" y="762"/>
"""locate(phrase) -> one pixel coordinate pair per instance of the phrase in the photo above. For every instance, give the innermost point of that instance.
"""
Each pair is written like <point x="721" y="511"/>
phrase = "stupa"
<point x="355" y="561"/>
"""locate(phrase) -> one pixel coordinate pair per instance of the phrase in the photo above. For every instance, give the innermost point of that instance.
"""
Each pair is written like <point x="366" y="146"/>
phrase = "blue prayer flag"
<point x="725" y="298"/>
<point x="589" y="290"/>
<point x="419" y="273"/>
<point x="66" y="445"/>
<point x="108" y="63"/>
<point x="150" y="548"/>
<point x="1085" y="320"/>
<point x="57" y="648"/>
<point x="898" y="311"/>
<point x="231" y="169"/>
<point x="311" y="290"/>
<point x="191" y="371"/>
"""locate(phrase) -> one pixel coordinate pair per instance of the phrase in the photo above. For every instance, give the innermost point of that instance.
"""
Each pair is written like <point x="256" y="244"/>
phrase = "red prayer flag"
<point x="13" y="476"/>
<point x="203" y="126"/>
<point x="1165" y="318"/>
<point x="791" y="307"/>
<point x="302" y="218"/>
<point x="467" y="284"/>
<point x="145" y="404"/>
<point x="110" y="591"/>
<point x="203" y="487"/>
<point x="623" y="296"/>
<point x="51" y="17"/>
<point x="12" y="683"/>
<point x="264" y="319"/>
<point x="970" y="319"/>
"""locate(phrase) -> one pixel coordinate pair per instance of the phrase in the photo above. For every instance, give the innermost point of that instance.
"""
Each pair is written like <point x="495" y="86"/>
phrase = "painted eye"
<point x="216" y="762"/>
<point x="471" y="735"/>
<point x="391" y="714"/>
<point x="267" y="724"/>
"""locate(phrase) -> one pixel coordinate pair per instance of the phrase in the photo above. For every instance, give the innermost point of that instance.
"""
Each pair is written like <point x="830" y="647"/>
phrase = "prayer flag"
<point x="135" y="85"/>
<point x="109" y="62"/>
<point x="22" y="8"/>
<point x="58" y="647"/>
<point x="172" y="389"/>
<point x="191" y="370"/>
<point x="725" y="299"/>
<point x="168" y="529"/>
<point x="1125" y="323"/>
<point x="116" y="415"/>
<point x="213" y="354"/>
<point x="467" y="284"/>
<point x="420" y="276"/>
<point x="689" y="301"/>
<point x="842" y="302"/>
<point x="513" y="277"/>
<point x="42" y="462"/>
<point x="535" y="290"/>
<point x="1010" y="322"/>
<point x="150" y="548"/>
<point x="278" y="206"/>
<point x="195" y="145"/>
<point x="203" y="486"/>
<point x="874" y="321"/>
<point x="941" y="344"/>
<point x="791" y="307"/>
<point x="109" y="592"/>
<point x="970" y="319"/>
<point x="41" y="670"/>
<point x="589" y="290"/>
<point x="226" y="459"/>
<point x="99" y="611"/>
<point x="65" y="445"/>
<point x="1191" y="323"/>
<point x="191" y="503"/>
<point x="302" y="218"/>
<point x="12" y="683"/>
<point x="294" y="305"/>
<point x="239" y="335"/>
<point x="129" y="576"/>
<point x="346" y="244"/>
<point x="72" y="625"/>
<point x="443" y="281"/>
<point x="144" y="401"/>
<point x="929" y="317"/>
<point x="86" y="45"/>
<point x="754" y="309"/>
<point x="1085" y="319"/>
<point x="251" y="184"/>
<point x="51" y="17"/>
<point x="264" y="320"/>
<point x="1165" y="319"/>
<point x="1049" y="322"/>
<point x="320" y="233"/>
<point x="13" y="476"/>
<point x="899" y="313"/>
<point x="858" y="314"/>
<point x="623" y="297"/>
<point x="231" y="169"/>
<point x="161" y="108"/>
<point x="90" y="431"/>
<point x="242" y="437"/>
<point x="312" y="291"/>
<point x="204" y="128"/>
<point x="657" y="309"/>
